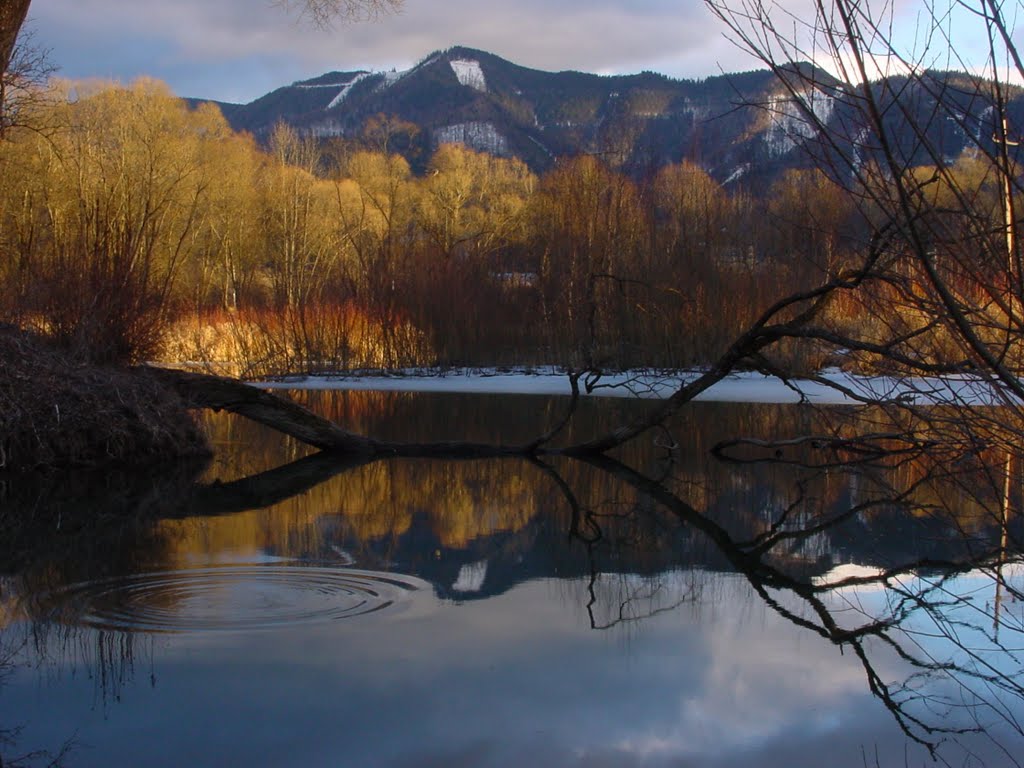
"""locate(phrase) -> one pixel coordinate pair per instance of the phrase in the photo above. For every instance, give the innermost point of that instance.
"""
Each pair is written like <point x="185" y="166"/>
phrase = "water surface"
<point x="663" y="608"/>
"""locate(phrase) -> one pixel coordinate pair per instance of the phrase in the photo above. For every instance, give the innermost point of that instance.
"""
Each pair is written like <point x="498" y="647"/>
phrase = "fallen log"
<point x="200" y="390"/>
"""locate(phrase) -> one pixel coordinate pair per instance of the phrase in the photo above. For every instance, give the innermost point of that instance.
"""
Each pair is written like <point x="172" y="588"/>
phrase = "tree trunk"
<point x="203" y="391"/>
<point x="12" y="16"/>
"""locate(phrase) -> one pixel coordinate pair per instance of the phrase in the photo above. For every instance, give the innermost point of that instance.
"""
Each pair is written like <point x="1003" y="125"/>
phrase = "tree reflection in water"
<point x="938" y="587"/>
<point x="924" y="616"/>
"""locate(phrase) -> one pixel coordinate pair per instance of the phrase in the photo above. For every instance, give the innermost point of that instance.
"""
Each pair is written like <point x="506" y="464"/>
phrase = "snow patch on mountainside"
<point x="424" y="63"/>
<point x="695" y="111"/>
<point x="325" y="129"/>
<point x="345" y="90"/>
<point x="737" y="174"/>
<point x="860" y="147"/>
<point x="984" y="119"/>
<point x="793" y="120"/>
<point x="469" y="74"/>
<point x="483" y="137"/>
<point x="390" y="78"/>
<point x="387" y="79"/>
<point x="546" y="150"/>
<point x="820" y="104"/>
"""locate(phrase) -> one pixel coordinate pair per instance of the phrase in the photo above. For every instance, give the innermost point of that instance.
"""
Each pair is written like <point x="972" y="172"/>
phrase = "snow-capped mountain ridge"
<point x="636" y="122"/>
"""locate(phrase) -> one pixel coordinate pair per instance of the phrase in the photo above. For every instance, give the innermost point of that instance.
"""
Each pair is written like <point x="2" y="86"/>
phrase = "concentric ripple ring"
<point x="236" y="597"/>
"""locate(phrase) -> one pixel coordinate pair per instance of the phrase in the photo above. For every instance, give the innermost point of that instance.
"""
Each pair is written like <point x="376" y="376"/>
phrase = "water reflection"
<point x="911" y="577"/>
<point x="919" y="611"/>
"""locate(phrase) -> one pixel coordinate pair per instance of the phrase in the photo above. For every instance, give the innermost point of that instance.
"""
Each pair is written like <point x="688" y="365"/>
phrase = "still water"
<point x="663" y="608"/>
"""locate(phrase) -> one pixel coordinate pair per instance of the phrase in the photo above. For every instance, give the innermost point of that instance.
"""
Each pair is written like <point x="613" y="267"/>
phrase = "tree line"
<point x="136" y="227"/>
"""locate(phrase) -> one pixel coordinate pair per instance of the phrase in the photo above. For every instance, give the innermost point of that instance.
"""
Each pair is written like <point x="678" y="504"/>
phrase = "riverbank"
<point x="56" y="412"/>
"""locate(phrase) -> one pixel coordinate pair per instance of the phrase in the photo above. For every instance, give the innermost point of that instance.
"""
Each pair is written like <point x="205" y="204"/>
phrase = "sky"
<point x="238" y="50"/>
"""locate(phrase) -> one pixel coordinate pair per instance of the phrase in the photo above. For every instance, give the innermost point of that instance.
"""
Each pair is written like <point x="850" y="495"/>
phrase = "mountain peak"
<point x="635" y="122"/>
<point x="464" y="51"/>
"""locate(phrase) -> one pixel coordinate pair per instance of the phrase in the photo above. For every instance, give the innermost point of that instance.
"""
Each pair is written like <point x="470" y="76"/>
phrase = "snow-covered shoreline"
<point x="833" y="387"/>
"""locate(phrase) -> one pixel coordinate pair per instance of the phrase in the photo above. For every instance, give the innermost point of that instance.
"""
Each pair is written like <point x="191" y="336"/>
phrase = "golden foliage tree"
<point x="103" y="215"/>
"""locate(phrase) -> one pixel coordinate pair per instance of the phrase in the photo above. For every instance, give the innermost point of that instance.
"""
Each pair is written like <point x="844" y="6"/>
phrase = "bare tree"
<point x="325" y="12"/>
<point x="935" y="287"/>
<point x="12" y="17"/>
<point x="939" y="242"/>
<point x="21" y="86"/>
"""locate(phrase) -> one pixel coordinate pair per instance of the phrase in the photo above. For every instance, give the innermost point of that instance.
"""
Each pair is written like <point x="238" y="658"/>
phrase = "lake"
<point x="663" y="607"/>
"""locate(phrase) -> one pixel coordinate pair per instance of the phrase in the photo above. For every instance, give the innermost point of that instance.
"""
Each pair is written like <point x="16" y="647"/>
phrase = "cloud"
<point x="239" y="49"/>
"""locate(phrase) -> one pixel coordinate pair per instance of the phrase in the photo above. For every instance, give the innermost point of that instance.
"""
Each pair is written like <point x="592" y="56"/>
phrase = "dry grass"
<point x="263" y="342"/>
<point x="56" y="413"/>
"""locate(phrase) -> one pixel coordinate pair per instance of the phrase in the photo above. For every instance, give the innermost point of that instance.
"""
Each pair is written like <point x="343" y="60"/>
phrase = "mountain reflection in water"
<point x="659" y="607"/>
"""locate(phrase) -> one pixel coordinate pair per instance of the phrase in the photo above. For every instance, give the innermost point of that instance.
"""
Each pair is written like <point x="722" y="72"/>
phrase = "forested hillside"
<point x="749" y="126"/>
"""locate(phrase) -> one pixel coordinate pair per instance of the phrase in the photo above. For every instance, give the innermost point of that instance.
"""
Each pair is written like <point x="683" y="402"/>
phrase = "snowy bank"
<point x="830" y="388"/>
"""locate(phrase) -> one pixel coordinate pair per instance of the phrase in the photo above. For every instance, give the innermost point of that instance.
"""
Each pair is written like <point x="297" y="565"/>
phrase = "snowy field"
<point x="830" y="388"/>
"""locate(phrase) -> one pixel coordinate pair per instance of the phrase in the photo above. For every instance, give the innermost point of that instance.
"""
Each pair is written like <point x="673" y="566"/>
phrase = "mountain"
<point x="736" y="126"/>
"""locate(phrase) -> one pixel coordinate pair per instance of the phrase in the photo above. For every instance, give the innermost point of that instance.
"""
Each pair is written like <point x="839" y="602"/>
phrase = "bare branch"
<point x="324" y="13"/>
